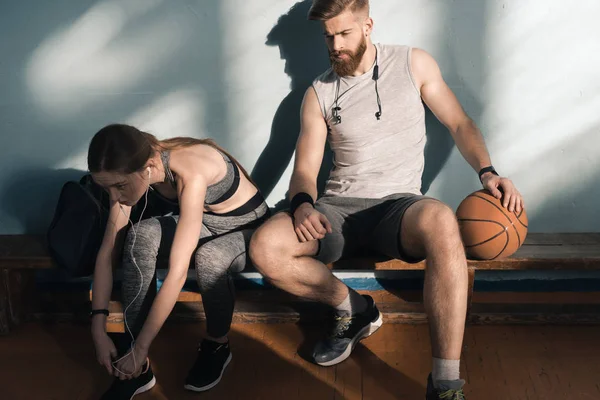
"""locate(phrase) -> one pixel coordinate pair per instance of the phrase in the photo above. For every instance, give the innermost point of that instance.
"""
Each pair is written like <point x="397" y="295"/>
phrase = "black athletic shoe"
<point x="447" y="390"/>
<point x="128" y="388"/>
<point x="346" y="333"/>
<point x="212" y="360"/>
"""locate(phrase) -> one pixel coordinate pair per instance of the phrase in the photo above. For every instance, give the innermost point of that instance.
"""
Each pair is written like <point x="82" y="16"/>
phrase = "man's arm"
<point x="309" y="148"/>
<point x="309" y="224"/>
<point x="445" y="106"/>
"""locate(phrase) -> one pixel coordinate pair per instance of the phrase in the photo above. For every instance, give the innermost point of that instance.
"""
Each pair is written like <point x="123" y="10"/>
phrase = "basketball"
<point x="489" y="231"/>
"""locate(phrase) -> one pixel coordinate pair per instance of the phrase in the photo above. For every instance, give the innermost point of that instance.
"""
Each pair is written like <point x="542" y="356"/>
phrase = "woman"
<point x="219" y="208"/>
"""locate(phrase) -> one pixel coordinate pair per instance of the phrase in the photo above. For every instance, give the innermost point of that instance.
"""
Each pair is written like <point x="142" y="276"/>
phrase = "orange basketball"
<point x="489" y="231"/>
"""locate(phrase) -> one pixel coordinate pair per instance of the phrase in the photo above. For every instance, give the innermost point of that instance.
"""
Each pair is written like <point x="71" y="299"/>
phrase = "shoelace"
<point x="342" y="325"/>
<point x="453" y="395"/>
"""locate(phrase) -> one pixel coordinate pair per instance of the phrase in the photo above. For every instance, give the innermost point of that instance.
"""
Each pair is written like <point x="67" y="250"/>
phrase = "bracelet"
<point x="299" y="199"/>
<point x="487" y="169"/>
<point x="100" y="311"/>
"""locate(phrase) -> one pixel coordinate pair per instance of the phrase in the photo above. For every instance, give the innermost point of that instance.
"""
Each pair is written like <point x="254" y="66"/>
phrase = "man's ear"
<point x="368" y="26"/>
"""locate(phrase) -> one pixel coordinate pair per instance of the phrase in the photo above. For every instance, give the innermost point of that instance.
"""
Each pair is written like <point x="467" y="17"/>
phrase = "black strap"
<point x="487" y="169"/>
<point x="99" y="311"/>
<point x="299" y="199"/>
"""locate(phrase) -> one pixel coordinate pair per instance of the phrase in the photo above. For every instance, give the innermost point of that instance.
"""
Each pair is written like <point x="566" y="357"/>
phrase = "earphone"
<point x="141" y="280"/>
<point x="335" y="110"/>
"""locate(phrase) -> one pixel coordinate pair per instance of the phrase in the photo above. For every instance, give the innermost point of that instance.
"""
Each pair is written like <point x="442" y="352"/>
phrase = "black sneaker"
<point x="212" y="360"/>
<point x="128" y="388"/>
<point x="447" y="390"/>
<point x="346" y="333"/>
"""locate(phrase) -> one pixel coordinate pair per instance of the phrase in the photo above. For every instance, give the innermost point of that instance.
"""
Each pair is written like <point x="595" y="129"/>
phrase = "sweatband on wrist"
<point x="299" y="199"/>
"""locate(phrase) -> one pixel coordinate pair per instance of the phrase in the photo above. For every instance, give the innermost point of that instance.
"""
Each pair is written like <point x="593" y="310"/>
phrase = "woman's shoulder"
<point x="197" y="160"/>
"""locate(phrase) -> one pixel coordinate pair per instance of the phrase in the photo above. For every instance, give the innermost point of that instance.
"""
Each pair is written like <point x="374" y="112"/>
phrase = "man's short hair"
<point x="323" y="10"/>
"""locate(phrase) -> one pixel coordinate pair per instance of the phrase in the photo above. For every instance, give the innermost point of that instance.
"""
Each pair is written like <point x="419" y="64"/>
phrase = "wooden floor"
<point x="500" y="362"/>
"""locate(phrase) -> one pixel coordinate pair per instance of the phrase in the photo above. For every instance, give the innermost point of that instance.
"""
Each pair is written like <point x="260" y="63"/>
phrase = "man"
<point x="371" y="104"/>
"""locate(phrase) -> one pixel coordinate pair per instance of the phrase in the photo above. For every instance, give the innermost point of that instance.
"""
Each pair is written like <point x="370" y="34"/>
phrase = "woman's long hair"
<point x="125" y="149"/>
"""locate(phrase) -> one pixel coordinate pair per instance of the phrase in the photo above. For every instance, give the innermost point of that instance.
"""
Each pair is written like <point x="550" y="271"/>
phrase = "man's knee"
<point x="267" y="244"/>
<point x="275" y="244"/>
<point x="436" y="223"/>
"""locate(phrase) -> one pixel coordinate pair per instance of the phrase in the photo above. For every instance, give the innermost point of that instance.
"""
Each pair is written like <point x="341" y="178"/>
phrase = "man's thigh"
<point x="386" y="237"/>
<point x="343" y="240"/>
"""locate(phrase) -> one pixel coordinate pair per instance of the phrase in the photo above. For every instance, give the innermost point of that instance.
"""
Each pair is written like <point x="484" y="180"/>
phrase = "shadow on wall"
<point x="78" y="67"/>
<point x="31" y="195"/>
<point x="302" y="46"/>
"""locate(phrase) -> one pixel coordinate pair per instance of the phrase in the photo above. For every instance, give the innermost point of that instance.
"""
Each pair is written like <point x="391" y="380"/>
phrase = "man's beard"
<point x="346" y="67"/>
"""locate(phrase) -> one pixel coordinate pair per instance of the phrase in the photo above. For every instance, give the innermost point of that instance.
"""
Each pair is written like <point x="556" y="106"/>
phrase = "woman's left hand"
<point x="130" y="366"/>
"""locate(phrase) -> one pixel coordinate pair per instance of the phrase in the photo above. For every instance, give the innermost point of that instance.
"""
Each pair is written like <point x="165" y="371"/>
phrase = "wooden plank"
<point x="526" y="363"/>
<point x="15" y="297"/>
<point x="558" y="251"/>
<point x="393" y="313"/>
<point x="405" y="297"/>
<point x="587" y="259"/>
<point x="24" y="251"/>
<point x="471" y="284"/>
<point x="576" y="264"/>
<point x="499" y="362"/>
<point x="540" y="250"/>
<point x="537" y="297"/>
<point x="586" y="238"/>
<point x="4" y="304"/>
<point x="553" y="314"/>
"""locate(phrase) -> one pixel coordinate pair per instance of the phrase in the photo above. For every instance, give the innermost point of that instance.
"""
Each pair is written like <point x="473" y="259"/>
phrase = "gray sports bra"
<point x="217" y="192"/>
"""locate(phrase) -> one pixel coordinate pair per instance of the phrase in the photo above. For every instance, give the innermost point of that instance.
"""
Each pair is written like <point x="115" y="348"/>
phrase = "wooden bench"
<point x="22" y="255"/>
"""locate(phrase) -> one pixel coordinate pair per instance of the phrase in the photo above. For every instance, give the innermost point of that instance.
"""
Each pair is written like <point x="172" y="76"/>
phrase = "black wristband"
<point x="100" y="311"/>
<point x="299" y="199"/>
<point x="487" y="169"/>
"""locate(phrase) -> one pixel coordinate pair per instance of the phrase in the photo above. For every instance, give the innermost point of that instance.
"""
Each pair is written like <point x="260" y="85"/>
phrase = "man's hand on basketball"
<point x="503" y="188"/>
<point x="310" y="224"/>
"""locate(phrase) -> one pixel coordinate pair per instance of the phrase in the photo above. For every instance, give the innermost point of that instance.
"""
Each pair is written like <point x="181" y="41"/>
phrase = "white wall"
<point x="527" y="71"/>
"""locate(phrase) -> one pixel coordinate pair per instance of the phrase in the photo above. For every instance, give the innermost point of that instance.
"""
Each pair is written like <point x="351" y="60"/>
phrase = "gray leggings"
<point x="220" y="252"/>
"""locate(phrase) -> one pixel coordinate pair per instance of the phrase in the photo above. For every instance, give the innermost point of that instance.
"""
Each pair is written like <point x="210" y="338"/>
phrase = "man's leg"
<point x="414" y="228"/>
<point x="291" y="266"/>
<point x="429" y="230"/>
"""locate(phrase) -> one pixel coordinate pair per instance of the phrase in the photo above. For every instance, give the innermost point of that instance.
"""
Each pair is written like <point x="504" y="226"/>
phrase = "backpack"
<point x="77" y="229"/>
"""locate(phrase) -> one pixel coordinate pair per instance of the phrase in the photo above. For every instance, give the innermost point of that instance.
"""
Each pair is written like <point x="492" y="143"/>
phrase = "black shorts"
<point x="364" y="225"/>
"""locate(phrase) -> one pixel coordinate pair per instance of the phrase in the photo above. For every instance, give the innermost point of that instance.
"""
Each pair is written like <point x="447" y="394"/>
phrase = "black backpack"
<point x="77" y="228"/>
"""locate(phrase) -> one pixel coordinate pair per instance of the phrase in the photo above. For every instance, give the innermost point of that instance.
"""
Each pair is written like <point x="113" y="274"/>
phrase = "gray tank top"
<point x="375" y="158"/>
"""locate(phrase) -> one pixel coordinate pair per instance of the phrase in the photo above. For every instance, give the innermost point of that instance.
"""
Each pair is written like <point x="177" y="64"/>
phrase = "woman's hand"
<point x="105" y="350"/>
<point x="130" y="365"/>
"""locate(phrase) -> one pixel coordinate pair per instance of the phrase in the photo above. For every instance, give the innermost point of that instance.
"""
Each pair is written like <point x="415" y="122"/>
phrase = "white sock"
<point x="354" y="303"/>
<point x="445" y="370"/>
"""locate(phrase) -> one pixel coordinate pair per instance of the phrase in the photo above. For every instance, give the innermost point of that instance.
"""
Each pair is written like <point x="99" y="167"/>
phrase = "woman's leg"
<point x="140" y="255"/>
<point x="215" y="261"/>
